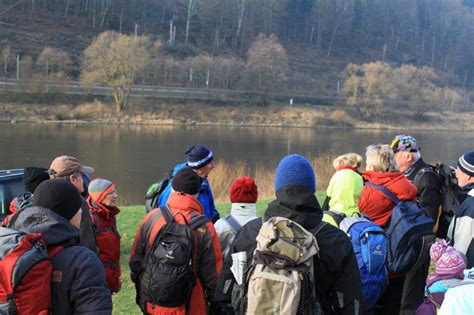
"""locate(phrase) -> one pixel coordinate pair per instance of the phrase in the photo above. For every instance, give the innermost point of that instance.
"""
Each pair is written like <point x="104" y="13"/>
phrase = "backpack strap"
<point x="319" y="227"/>
<point x="167" y="214"/>
<point x="337" y="217"/>
<point x="234" y="224"/>
<point x="197" y="221"/>
<point x="423" y="171"/>
<point x="384" y="191"/>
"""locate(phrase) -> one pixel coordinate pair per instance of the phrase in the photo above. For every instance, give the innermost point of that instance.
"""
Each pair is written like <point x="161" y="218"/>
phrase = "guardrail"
<point x="168" y="92"/>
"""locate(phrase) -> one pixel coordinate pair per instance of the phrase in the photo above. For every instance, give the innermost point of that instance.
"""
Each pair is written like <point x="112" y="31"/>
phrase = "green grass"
<point x="128" y="220"/>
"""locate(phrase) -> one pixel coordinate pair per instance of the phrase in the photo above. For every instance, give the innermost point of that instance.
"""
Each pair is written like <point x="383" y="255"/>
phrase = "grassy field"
<point x="128" y="222"/>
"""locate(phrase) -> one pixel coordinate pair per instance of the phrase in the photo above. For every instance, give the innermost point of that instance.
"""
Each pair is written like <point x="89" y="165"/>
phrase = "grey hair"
<point x="416" y="155"/>
<point x="380" y="158"/>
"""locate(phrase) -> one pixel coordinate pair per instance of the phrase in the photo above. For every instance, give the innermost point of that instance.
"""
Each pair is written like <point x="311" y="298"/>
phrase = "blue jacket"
<point x="205" y="196"/>
<point x="81" y="287"/>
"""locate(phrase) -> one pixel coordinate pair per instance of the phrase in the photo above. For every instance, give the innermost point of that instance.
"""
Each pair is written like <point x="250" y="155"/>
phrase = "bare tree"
<point x="7" y="57"/>
<point x="340" y="12"/>
<point x="115" y="60"/>
<point x="56" y="62"/>
<point x="192" y="7"/>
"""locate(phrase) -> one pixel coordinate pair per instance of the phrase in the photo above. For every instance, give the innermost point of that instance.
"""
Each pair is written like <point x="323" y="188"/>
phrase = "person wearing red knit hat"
<point x="243" y="195"/>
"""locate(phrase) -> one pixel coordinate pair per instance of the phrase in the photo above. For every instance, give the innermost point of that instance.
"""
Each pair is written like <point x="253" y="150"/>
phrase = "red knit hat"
<point x="244" y="190"/>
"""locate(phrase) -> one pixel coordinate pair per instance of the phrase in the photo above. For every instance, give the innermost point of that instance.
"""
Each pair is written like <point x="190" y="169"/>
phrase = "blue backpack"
<point x="409" y="233"/>
<point x="370" y="248"/>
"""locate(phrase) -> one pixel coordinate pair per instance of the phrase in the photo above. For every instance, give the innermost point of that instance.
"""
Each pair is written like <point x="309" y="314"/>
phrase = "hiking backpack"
<point x="449" y="194"/>
<point x="280" y="279"/>
<point x="409" y="233"/>
<point x="26" y="271"/>
<point x="154" y="192"/>
<point x="169" y="272"/>
<point x="370" y="248"/>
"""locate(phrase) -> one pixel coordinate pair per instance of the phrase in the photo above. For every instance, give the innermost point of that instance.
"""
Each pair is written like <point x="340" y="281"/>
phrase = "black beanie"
<point x="186" y="181"/>
<point x="58" y="195"/>
<point x="33" y="176"/>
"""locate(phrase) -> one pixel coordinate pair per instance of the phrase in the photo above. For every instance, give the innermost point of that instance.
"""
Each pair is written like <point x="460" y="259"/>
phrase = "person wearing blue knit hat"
<point x="294" y="169"/>
<point x="339" y="288"/>
<point x="200" y="160"/>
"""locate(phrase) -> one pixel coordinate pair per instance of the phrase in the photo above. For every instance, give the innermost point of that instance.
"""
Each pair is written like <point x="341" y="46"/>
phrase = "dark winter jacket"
<point x="205" y="196"/>
<point x="428" y="185"/>
<point x="461" y="230"/>
<point x="209" y="258"/>
<point x="87" y="230"/>
<point x="338" y="284"/>
<point x="78" y="284"/>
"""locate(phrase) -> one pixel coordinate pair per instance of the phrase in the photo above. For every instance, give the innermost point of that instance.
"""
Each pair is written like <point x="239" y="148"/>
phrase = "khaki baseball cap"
<point x="65" y="165"/>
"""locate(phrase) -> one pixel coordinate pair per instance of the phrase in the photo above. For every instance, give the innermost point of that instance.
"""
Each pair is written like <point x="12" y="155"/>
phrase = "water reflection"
<point x="134" y="156"/>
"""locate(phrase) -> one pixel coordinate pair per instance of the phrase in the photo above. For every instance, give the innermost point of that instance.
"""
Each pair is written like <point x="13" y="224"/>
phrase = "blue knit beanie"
<point x="198" y="156"/>
<point x="294" y="169"/>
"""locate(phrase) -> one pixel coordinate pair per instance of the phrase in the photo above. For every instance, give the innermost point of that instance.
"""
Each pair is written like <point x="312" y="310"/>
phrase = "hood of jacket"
<point x="183" y="202"/>
<point x="345" y="188"/>
<point x="243" y="210"/>
<point x="54" y="228"/>
<point x="396" y="182"/>
<point x="101" y="209"/>
<point x="297" y="203"/>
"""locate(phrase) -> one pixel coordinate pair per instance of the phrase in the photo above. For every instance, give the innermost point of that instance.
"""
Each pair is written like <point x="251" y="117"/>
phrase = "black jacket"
<point x="78" y="285"/>
<point x="338" y="284"/>
<point x="428" y="185"/>
<point x="87" y="230"/>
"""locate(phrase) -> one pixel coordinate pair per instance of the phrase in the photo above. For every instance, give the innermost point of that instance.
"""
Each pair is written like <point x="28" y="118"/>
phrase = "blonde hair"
<point x="380" y="158"/>
<point x="349" y="159"/>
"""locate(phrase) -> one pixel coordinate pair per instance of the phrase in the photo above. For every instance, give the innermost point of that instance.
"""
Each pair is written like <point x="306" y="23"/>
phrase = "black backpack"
<point x="450" y="194"/>
<point x="168" y="278"/>
<point x="154" y="192"/>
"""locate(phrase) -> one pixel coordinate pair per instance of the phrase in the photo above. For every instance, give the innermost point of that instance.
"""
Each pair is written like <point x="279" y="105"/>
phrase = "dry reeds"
<point x="224" y="174"/>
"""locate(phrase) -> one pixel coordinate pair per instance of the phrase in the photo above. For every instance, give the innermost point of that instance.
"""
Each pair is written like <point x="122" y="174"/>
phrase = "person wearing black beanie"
<point x="182" y="207"/>
<point x="78" y="283"/>
<point x="33" y="176"/>
<point x="58" y="195"/>
<point x="186" y="181"/>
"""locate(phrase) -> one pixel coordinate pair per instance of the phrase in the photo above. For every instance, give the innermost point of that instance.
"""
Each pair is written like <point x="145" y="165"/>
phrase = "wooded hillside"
<point x="321" y="37"/>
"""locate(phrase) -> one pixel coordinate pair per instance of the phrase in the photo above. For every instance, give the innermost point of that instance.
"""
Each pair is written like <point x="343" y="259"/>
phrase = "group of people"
<point x="183" y="259"/>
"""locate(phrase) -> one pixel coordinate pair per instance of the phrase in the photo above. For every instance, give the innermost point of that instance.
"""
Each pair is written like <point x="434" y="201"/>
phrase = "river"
<point x="134" y="156"/>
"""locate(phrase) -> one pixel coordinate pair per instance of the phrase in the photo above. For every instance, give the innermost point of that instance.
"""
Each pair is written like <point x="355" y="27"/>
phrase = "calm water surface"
<point x="135" y="156"/>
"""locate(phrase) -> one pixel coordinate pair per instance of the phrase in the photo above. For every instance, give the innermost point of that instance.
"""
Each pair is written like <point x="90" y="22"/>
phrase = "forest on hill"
<point x="305" y="46"/>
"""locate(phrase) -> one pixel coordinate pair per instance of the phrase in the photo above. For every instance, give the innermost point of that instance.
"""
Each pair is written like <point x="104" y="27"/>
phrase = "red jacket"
<point x="375" y="204"/>
<point x="209" y="259"/>
<point x="108" y="241"/>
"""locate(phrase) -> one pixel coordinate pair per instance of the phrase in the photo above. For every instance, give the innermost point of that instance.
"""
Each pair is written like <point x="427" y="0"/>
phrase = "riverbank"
<point x="162" y="113"/>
